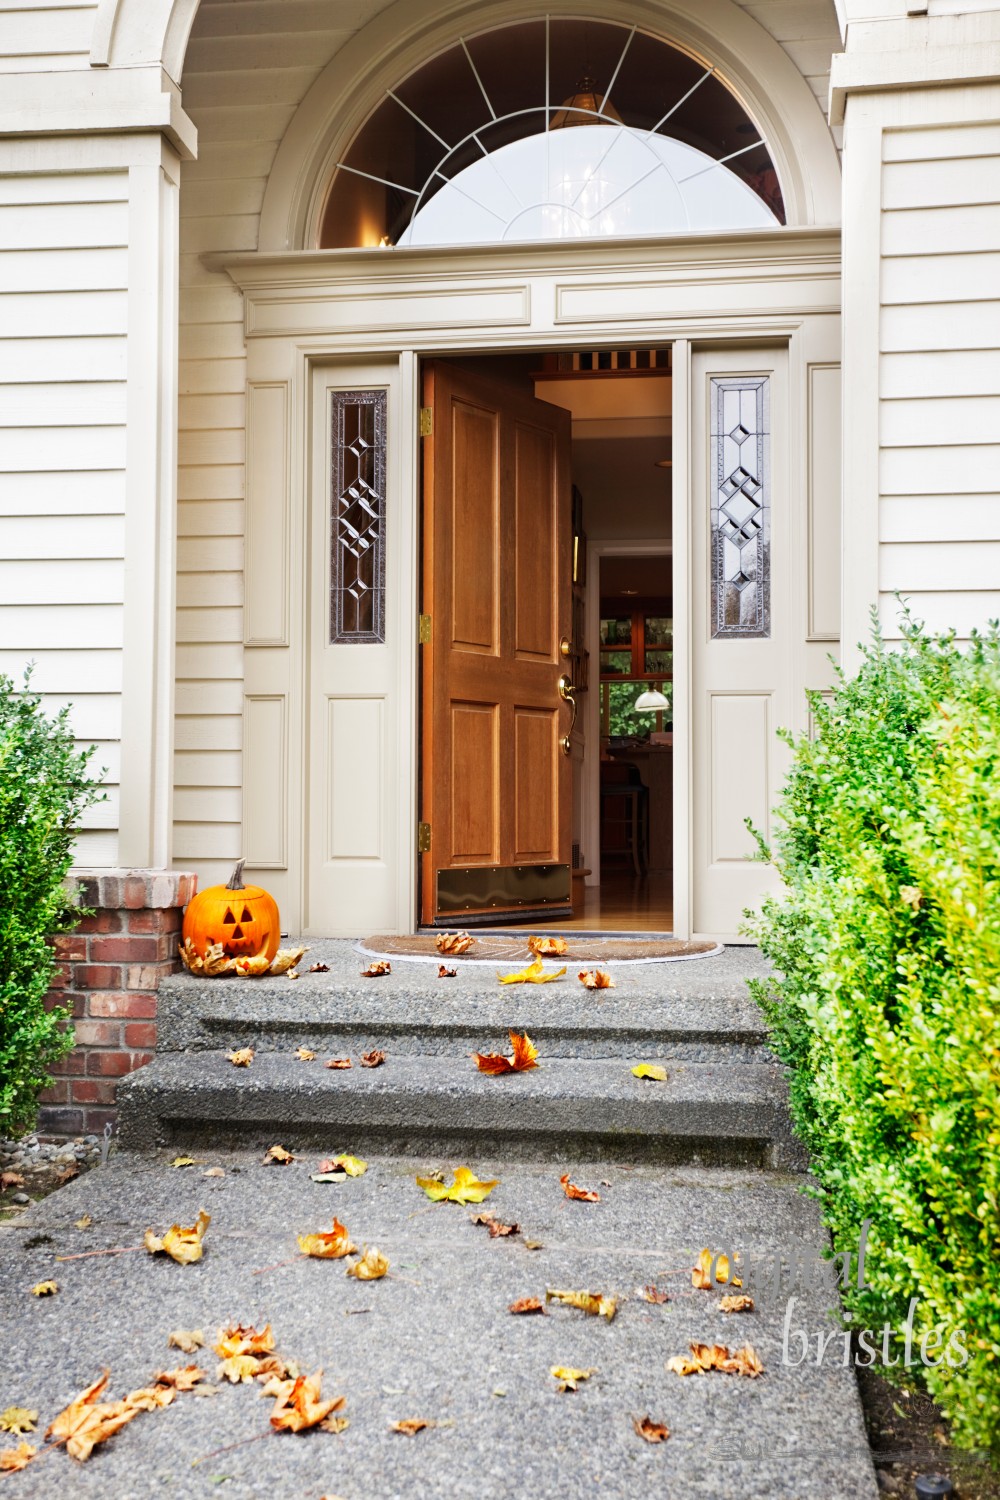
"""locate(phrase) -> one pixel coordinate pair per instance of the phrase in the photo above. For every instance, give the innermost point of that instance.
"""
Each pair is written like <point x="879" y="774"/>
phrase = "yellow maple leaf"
<point x="239" y="1338"/>
<point x="14" y="1459"/>
<point x="303" y="1406"/>
<point x="736" y="1304"/>
<point x="18" y="1420"/>
<point x="87" y="1421"/>
<point x="239" y="1368"/>
<point x="371" y="1267"/>
<point x="184" y="1378"/>
<point x="344" y="1166"/>
<point x="183" y="1161"/>
<point x="409" y="1426"/>
<point x="596" y="979"/>
<point x="182" y="1245"/>
<point x="594" y="1303"/>
<point x="701" y="1274"/>
<point x="650" y="1070"/>
<point x="279" y="1155"/>
<point x="187" y="1340"/>
<point x="150" y="1398"/>
<point x="45" y="1288"/>
<point x="535" y="973"/>
<point x="330" y="1246"/>
<point x="83" y="1222"/>
<point x="241" y="1058"/>
<point x="466" y="1187"/>
<point x="568" y="1378"/>
<point x="304" y="1054"/>
<point x="549" y="947"/>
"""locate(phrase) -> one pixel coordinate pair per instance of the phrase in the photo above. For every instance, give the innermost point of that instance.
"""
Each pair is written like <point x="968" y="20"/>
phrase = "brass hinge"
<point x="425" y="629"/>
<point x="426" y="421"/>
<point x="423" y="838"/>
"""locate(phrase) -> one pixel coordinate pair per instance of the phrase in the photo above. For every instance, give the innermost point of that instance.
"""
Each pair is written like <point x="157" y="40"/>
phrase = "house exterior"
<point x="187" y="308"/>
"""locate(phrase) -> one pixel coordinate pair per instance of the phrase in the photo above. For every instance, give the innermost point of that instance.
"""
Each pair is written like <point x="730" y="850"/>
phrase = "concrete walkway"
<point x="433" y="1340"/>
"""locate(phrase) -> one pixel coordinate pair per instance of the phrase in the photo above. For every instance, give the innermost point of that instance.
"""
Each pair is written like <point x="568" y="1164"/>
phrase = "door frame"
<point x="308" y="308"/>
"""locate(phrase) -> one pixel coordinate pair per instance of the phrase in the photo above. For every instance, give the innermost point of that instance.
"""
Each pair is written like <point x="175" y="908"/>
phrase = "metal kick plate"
<point x="496" y="886"/>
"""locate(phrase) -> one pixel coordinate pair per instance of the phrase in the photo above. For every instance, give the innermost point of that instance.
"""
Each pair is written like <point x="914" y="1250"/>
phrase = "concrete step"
<point x="706" y="1113"/>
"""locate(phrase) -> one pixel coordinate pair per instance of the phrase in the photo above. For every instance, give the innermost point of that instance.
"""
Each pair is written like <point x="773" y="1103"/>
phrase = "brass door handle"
<point x="566" y="691"/>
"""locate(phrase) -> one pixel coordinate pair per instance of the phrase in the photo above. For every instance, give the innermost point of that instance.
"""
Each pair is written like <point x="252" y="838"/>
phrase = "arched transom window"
<point x="552" y="129"/>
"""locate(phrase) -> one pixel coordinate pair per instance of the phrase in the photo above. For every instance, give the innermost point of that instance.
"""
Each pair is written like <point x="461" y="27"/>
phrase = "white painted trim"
<point x="408" y="654"/>
<point x="683" y="715"/>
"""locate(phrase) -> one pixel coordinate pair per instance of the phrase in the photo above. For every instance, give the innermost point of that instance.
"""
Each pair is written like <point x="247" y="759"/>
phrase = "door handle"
<point x="566" y="691"/>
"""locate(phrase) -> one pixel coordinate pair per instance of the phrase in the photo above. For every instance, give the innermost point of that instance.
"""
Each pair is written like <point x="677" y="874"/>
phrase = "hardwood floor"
<point x="622" y="903"/>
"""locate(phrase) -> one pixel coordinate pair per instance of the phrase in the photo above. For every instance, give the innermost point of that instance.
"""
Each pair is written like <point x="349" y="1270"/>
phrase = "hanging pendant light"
<point x="651" y="701"/>
<point x="585" y="107"/>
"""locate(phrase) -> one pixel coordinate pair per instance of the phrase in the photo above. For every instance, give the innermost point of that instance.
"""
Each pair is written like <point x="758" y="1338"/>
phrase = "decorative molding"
<point x="268" y="499"/>
<point x="265" y="781"/>
<point x="823" y="507"/>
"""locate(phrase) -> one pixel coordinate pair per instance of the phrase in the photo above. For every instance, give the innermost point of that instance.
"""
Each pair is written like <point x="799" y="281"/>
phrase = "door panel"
<point x="496" y="785"/>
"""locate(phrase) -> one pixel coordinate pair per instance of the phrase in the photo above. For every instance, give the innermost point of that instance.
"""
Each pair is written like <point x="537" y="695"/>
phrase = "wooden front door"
<point x="497" y="784"/>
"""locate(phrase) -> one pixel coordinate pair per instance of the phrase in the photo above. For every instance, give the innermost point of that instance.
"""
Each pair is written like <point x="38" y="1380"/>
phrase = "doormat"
<point x="421" y="948"/>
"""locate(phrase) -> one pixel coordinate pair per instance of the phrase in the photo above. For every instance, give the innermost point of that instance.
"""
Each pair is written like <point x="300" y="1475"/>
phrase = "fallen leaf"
<point x="594" y="1303"/>
<point x="292" y="974"/>
<point x="705" y="1357"/>
<point x="182" y="1245"/>
<point x="527" y="1305"/>
<point x="304" y="1406"/>
<point x="215" y="962"/>
<point x="736" y="1304"/>
<point x="650" y="1294"/>
<point x="534" y="1245"/>
<point x="206" y="1390"/>
<point x="534" y="974"/>
<point x="409" y="1426"/>
<point x="183" y="1161"/>
<point x="83" y="1222"/>
<point x="444" y="973"/>
<point x="45" y="1289"/>
<point x="187" y="1340"/>
<point x="241" y="1058"/>
<point x="376" y="970"/>
<point x="214" y="1172"/>
<point x="14" y="1459"/>
<point x="549" y="947"/>
<point x="338" y="1062"/>
<point x="679" y="1364"/>
<point x="240" y="1338"/>
<point x="9" y="1180"/>
<point x="304" y="1055"/>
<point x="87" y="1421"/>
<point x="285" y="959"/>
<point x="578" y="1194"/>
<point x="18" y="1420"/>
<point x="340" y="1166"/>
<point x="453" y="942"/>
<point x="184" y="1378"/>
<point x="569" y="1379"/>
<point x="701" y="1274"/>
<point x="239" y="1368"/>
<point x="373" y="1059"/>
<point x="66" y="1174"/>
<point x="496" y="1228"/>
<point x="150" y="1398"/>
<point x="653" y="1432"/>
<point x="596" y="979"/>
<point x="466" y="1187"/>
<point x="335" y="1424"/>
<point x="371" y="1267"/>
<point x="318" y="969"/>
<point x="524" y="1057"/>
<point x="251" y="967"/>
<point x="650" y="1070"/>
<point x="278" y="1154"/>
<point x="332" y="1246"/>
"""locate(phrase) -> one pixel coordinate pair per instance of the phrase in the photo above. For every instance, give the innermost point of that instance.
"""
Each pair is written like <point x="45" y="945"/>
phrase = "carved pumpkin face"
<point x="243" y="918"/>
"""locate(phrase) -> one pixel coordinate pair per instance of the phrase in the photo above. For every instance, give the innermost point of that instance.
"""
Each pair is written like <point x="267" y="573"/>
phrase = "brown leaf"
<point x="184" y="1378"/>
<point x="453" y="942"/>
<point x="150" y="1398"/>
<point x="14" y="1459"/>
<point x="9" y="1180"/>
<point x="496" y="1228"/>
<point x="651" y="1294"/>
<point x="332" y="1246"/>
<point x="653" y="1432"/>
<point x="304" y="1055"/>
<point x="278" y="1154"/>
<point x="736" y="1304"/>
<point x="318" y="969"/>
<point x="444" y="973"/>
<point x="596" y="979"/>
<point x="338" y="1062"/>
<point x="344" y="1165"/>
<point x="705" y="1357"/>
<point x="409" y="1426"/>
<point x="284" y="960"/>
<point x="578" y="1194"/>
<point x="251" y="966"/>
<point x="377" y="969"/>
<point x="304" y="1406"/>
<point x="66" y="1174"/>
<point x="187" y="1340"/>
<point x="241" y="1058"/>
<point x="523" y="1057"/>
<point x="373" y="1059"/>
<point x="182" y="1245"/>
<point x="527" y="1305"/>
<point x="594" y="1303"/>
<point x="240" y="1338"/>
<point x="88" y="1421"/>
<point x="45" y="1288"/>
<point x="371" y="1267"/>
<point x="547" y="947"/>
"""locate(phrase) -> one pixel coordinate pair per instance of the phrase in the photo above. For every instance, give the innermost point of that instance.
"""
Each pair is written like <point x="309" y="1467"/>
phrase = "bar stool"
<point x="625" y="806"/>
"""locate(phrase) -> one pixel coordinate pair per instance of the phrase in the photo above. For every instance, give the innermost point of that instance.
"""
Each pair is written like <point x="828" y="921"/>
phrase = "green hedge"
<point x="887" y="944"/>
<point x="44" y="787"/>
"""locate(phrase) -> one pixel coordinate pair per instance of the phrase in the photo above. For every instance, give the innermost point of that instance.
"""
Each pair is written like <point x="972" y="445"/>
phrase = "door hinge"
<point x="425" y="629"/>
<point x="423" y="838"/>
<point x="426" y="421"/>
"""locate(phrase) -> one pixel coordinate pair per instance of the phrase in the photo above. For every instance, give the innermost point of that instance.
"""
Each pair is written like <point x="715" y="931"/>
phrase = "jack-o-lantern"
<point x="241" y="919"/>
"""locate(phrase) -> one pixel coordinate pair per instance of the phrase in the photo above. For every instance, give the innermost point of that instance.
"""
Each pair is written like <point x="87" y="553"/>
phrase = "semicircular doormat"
<point x="422" y="947"/>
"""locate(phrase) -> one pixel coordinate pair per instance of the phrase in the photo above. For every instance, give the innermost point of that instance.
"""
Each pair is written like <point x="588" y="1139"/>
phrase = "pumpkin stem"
<point x="235" y="881"/>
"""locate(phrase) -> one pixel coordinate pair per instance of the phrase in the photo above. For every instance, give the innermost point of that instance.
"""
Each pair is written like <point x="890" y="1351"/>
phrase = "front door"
<point x="496" y="782"/>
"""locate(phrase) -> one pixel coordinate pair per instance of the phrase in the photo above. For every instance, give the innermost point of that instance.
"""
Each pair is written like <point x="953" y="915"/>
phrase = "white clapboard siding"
<point x="939" y="379"/>
<point x="208" y="768"/>
<point x="45" y="36"/>
<point x="63" y="326"/>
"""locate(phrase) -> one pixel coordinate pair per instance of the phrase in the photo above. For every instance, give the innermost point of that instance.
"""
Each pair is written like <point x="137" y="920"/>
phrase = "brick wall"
<point x="109" y="971"/>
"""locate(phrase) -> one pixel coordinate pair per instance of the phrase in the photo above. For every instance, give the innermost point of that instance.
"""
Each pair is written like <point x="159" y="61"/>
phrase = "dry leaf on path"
<point x="251" y="966"/>
<point x="18" y="1420"/>
<point x="547" y="947"/>
<point x="338" y="1062"/>
<point x="650" y="1070"/>
<point x="705" y="1357"/>
<point x="183" y="1161"/>
<point x="527" y="1305"/>
<point x="304" y="1406"/>
<point x="578" y="1194"/>
<point x="568" y="1379"/>
<point x="318" y="969"/>
<point x="497" y="1229"/>
<point x="594" y="1303"/>
<point x="340" y="1166"/>
<point x="304" y="1055"/>
<point x="277" y="1154"/>
<point x="445" y="973"/>
<point x="650" y="1294"/>
<point x="45" y="1288"/>
<point x="182" y="1245"/>
<point x="523" y="1058"/>
<point x="9" y="1180"/>
<point x="535" y="973"/>
<point x="184" y="1378"/>
<point x="151" y="1397"/>
<point x="701" y="1274"/>
<point x="14" y="1459"/>
<point x="187" y="1340"/>
<point x="241" y="1058"/>
<point x="214" y="1172"/>
<point x="376" y="970"/>
<point x="332" y="1246"/>
<point x="596" y="979"/>
<point x="373" y="1059"/>
<point x="465" y="1188"/>
<point x="215" y="961"/>
<point x="285" y="959"/>
<point x="653" y="1432"/>
<point x="242" y="1338"/>
<point x="454" y="942"/>
<point x="87" y="1421"/>
<point x="409" y="1426"/>
<point x="371" y="1267"/>
<point x="239" y="1369"/>
<point x="736" y="1304"/>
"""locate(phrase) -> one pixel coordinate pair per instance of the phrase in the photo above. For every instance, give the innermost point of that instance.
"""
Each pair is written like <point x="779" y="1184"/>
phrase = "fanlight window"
<point x="552" y="129"/>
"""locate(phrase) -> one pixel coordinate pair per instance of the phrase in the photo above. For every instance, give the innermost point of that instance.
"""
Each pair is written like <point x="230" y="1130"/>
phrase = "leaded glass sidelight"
<point x="357" y="517"/>
<point x="741" y="507"/>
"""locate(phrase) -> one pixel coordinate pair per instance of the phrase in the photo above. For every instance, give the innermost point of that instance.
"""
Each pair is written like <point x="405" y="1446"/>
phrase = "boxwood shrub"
<point x="44" y="787"/>
<point x="886" y="943"/>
